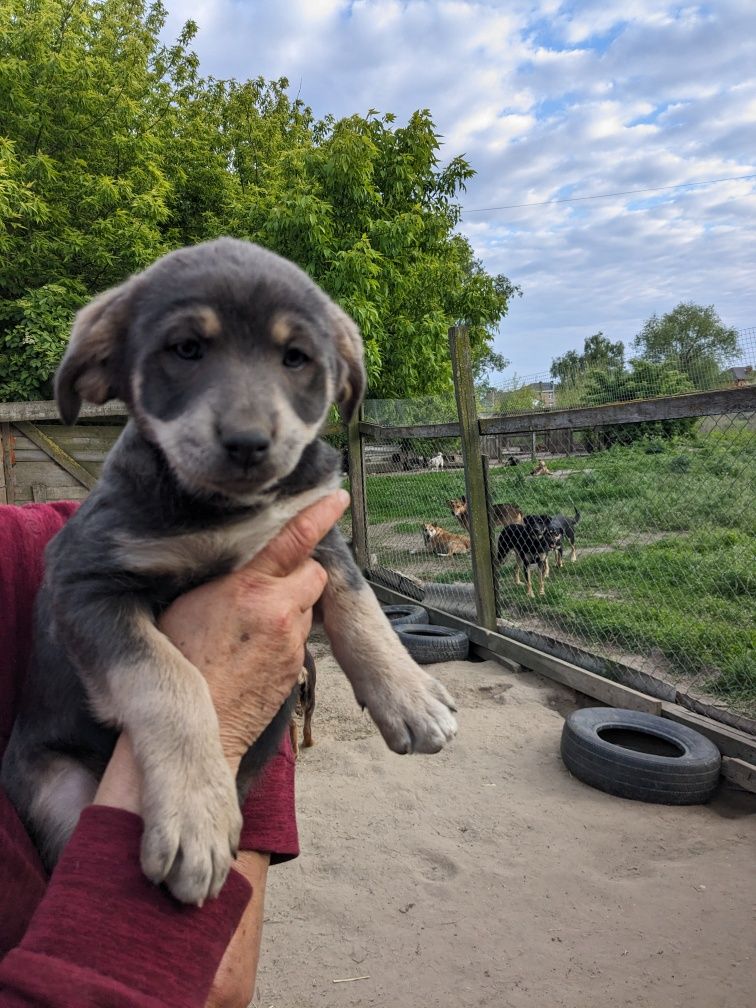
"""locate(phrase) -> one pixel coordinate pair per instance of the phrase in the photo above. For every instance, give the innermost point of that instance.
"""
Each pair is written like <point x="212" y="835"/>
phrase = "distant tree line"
<point x="685" y="350"/>
<point x="114" y="149"/>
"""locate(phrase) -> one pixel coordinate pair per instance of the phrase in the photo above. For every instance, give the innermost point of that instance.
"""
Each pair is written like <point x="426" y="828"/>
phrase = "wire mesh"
<point x="662" y="578"/>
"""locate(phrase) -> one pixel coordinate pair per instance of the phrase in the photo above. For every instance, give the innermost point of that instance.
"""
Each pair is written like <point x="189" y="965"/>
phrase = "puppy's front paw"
<point x="413" y="711"/>
<point x="191" y="832"/>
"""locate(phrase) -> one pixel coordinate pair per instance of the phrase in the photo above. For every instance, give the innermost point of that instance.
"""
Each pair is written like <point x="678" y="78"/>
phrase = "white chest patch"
<point x="192" y="552"/>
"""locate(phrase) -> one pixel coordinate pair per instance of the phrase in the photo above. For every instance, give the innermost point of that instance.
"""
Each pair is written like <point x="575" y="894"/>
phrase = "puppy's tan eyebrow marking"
<point x="208" y="319"/>
<point x="281" y="329"/>
<point x="285" y="326"/>
<point x="203" y="316"/>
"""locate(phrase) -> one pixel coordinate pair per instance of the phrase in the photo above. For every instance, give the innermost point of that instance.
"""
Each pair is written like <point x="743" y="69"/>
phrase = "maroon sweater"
<point x="98" y="933"/>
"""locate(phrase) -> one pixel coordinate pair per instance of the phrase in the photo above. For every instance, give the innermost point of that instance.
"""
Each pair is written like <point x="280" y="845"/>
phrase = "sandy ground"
<point x="488" y="876"/>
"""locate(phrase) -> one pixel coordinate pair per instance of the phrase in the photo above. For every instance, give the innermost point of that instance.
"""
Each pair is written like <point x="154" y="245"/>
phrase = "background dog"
<point x="228" y="358"/>
<point x="501" y="514"/>
<point x="531" y="542"/>
<point x="437" y="462"/>
<point x="444" y="543"/>
<point x="560" y="528"/>
<point x="304" y="706"/>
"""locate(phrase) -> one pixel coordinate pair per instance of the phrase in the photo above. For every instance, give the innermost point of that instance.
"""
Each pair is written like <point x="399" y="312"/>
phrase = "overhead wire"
<point x="626" y="192"/>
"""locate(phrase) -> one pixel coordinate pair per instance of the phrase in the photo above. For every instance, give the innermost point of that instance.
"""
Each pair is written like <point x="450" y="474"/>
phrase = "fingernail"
<point x="343" y="497"/>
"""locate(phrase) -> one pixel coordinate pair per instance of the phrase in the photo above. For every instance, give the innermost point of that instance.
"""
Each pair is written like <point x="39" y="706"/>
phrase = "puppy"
<point x="501" y="514"/>
<point x="228" y="358"/>
<point x="437" y="462"/>
<point x="541" y="469"/>
<point x="443" y="543"/>
<point x="304" y="707"/>
<point x="531" y="542"/>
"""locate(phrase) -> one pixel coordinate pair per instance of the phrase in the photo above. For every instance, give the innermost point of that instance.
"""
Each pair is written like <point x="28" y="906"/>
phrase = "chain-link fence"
<point x="644" y="532"/>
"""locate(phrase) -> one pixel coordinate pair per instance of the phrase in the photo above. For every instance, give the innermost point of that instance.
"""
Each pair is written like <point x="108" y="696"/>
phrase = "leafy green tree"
<point x="644" y="380"/>
<point x="599" y="353"/>
<point x="83" y="88"/>
<point x="114" y="149"/>
<point x="692" y="339"/>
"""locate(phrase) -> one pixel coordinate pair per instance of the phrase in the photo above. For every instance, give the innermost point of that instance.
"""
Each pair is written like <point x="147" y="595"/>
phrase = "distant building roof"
<point x="741" y="373"/>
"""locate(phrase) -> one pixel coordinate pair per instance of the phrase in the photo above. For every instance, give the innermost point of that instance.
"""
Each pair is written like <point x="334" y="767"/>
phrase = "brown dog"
<point x="541" y="469"/>
<point x="305" y="705"/>
<point x="443" y="543"/>
<point x="501" y="514"/>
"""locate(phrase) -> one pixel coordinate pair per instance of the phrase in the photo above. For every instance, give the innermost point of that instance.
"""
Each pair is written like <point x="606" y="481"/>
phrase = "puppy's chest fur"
<point x="192" y="557"/>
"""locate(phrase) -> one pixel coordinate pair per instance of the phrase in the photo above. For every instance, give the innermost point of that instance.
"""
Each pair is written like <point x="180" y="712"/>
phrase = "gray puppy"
<point x="228" y="358"/>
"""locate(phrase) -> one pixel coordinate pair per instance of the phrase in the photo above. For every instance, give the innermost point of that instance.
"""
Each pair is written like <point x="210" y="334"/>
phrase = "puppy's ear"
<point x="87" y="371"/>
<point x="351" y="376"/>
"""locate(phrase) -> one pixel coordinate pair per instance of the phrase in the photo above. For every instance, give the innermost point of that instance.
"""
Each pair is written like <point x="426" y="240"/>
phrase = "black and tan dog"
<point x="561" y="528"/>
<point x="531" y="542"/>
<point x="228" y="358"/>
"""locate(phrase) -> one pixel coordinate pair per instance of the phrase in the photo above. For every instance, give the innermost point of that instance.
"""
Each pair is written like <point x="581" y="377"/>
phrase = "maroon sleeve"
<point x="270" y="821"/>
<point x="24" y="533"/>
<point x="104" y="935"/>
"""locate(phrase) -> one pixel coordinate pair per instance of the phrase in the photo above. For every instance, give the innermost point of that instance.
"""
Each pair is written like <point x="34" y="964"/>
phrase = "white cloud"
<point x="547" y="99"/>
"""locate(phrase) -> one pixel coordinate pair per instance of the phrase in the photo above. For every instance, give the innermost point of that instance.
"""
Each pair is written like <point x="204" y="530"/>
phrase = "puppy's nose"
<point x="246" y="448"/>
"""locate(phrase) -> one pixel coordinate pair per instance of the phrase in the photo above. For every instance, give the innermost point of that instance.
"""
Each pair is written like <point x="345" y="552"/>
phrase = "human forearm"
<point x="103" y="933"/>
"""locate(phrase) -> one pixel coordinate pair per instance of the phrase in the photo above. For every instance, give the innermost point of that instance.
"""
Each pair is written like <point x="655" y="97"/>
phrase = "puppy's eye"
<point x="188" y="349"/>
<point x="294" y="358"/>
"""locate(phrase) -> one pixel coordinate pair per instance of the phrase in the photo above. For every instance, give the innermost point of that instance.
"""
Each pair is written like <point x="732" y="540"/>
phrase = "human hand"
<point x="246" y="631"/>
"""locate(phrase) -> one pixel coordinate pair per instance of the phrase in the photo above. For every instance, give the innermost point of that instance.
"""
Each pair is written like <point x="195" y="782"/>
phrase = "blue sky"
<point x="548" y="99"/>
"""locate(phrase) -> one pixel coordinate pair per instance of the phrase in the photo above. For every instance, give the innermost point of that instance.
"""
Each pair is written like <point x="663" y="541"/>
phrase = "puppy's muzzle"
<point x="246" y="449"/>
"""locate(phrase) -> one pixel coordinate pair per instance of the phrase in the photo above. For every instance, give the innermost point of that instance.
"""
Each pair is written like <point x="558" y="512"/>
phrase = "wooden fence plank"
<point x="57" y="454"/>
<point x="48" y="410"/>
<point x="9" y="479"/>
<point x="734" y="400"/>
<point x="738" y="772"/>
<point x="730" y="741"/>
<point x="696" y="404"/>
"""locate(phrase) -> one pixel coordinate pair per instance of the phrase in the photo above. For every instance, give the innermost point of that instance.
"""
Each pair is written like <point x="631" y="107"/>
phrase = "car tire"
<point x="401" y="615"/>
<point x="595" y="747"/>
<point x="429" y="644"/>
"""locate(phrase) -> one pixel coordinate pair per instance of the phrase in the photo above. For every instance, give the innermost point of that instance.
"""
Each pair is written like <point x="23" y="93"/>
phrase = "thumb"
<point x="296" y="541"/>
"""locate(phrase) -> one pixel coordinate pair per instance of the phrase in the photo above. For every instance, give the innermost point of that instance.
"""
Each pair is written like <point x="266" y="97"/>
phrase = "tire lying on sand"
<point x="399" y="615"/>
<point x="640" y="756"/>
<point x="428" y="644"/>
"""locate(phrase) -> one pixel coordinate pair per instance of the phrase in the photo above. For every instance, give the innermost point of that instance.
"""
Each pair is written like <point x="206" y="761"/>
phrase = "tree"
<point x="599" y="353"/>
<point x="115" y="150"/>
<point x="83" y="90"/>
<point x="692" y="339"/>
<point x="643" y="380"/>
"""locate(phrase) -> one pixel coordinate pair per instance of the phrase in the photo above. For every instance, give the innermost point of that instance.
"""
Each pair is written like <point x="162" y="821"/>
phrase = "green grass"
<point x="680" y="523"/>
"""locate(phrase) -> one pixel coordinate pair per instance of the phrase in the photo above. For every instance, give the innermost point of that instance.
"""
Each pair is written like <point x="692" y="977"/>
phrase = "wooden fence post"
<point x="357" y="491"/>
<point x="6" y="449"/>
<point x="475" y="483"/>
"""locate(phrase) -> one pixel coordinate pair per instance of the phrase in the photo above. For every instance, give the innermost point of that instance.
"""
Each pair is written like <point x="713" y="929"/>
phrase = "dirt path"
<point x="488" y="876"/>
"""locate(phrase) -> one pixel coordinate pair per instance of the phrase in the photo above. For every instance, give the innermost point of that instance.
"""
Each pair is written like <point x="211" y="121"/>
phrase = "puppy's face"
<point x="430" y="532"/>
<point x="228" y="357"/>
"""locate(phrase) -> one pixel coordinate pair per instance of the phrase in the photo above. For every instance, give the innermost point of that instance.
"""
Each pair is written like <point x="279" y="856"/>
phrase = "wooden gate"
<point x="43" y="460"/>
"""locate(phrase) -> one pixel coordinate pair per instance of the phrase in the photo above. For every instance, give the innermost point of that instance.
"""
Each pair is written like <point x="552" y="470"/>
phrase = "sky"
<point x="549" y="101"/>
